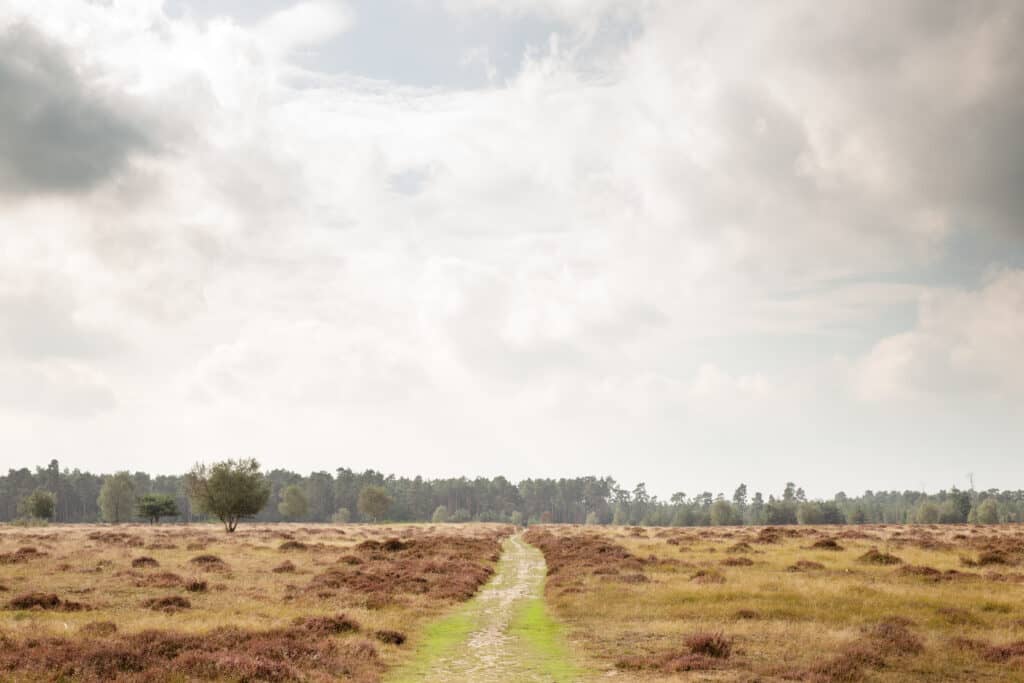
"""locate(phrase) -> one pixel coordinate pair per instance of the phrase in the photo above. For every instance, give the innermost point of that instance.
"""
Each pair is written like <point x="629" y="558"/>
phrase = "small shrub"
<point x="140" y="562"/>
<point x="286" y="567"/>
<point x="293" y="545"/>
<point x="747" y="614"/>
<point x="919" y="570"/>
<point x="633" y="578"/>
<point x="99" y="629"/>
<point x="339" y="623"/>
<point x="893" y="637"/>
<point x="196" y="586"/>
<point x="992" y="557"/>
<point x="956" y="615"/>
<point x="737" y="562"/>
<point x="874" y="556"/>
<point x="390" y="637"/>
<point x="705" y="576"/>
<point x="710" y="644"/>
<point x="35" y="601"/>
<point x="210" y="563"/>
<point x="805" y="566"/>
<point x="169" y="604"/>
<point x="826" y="544"/>
<point x="1003" y="653"/>
<point x="161" y="580"/>
<point x="393" y="545"/>
<point x="21" y="555"/>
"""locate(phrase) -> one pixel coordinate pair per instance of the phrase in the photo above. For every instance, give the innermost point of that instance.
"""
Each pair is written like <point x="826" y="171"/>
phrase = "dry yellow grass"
<point x="102" y="569"/>
<point x="941" y="618"/>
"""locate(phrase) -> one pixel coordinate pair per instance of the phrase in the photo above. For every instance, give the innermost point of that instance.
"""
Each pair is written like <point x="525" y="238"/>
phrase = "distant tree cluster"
<point x="235" y="490"/>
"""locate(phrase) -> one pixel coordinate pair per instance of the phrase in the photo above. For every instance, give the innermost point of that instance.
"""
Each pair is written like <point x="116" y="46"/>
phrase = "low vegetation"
<point x="83" y="603"/>
<point x="807" y="603"/>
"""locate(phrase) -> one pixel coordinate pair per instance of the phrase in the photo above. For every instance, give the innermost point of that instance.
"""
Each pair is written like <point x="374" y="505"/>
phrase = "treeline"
<point x="346" y="495"/>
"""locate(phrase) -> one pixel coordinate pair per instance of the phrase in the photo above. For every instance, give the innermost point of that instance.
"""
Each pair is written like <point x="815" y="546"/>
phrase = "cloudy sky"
<point x="687" y="243"/>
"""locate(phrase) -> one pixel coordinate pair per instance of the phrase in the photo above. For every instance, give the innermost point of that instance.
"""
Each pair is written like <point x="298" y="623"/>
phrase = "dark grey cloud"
<point x="940" y="84"/>
<point x="58" y="132"/>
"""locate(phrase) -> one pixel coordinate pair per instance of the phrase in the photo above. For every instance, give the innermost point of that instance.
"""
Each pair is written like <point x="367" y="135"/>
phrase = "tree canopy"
<point x="230" y="490"/>
<point x="293" y="503"/>
<point x="153" y="506"/>
<point x="117" y="498"/>
<point x="39" y="504"/>
<point x="374" y="502"/>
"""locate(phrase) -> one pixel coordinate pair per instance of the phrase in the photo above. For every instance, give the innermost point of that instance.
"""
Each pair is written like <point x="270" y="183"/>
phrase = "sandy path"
<point x="493" y="651"/>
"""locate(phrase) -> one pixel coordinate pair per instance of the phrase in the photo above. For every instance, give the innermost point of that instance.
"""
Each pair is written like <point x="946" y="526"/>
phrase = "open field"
<point x="875" y="603"/>
<point x="281" y="602"/>
<point x="370" y="603"/>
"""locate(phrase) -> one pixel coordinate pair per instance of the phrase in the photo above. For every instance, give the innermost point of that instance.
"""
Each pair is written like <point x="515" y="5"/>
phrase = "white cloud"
<point x="964" y="343"/>
<point x="304" y="24"/>
<point x="628" y="227"/>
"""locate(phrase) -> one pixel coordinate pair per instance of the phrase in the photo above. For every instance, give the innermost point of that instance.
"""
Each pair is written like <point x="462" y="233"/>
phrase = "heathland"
<point x="483" y="602"/>
<point x="266" y="603"/>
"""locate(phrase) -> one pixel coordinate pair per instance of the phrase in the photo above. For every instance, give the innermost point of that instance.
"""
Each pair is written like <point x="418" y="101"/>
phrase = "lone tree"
<point x="153" y="506"/>
<point x="374" y="502"/>
<point x="39" y="504"/>
<point x="117" y="498"/>
<point x="293" y="503"/>
<point x="229" y="490"/>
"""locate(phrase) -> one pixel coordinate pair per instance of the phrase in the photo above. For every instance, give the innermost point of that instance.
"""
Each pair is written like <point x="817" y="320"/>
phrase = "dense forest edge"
<point x="74" y="496"/>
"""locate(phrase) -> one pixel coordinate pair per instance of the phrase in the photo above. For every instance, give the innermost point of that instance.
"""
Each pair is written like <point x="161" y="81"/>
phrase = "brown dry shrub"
<point x="21" y="555"/>
<point x="633" y="578"/>
<point x="196" y="586"/>
<point x="140" y="562"/>
<point x="293" y="545"/>
<point x="707" y="576"/>
<point x="993" y="557"/>
<point x="339" y="623"/>
<point x="874" y="556"/>
<point x="569" y="557"/>
<point x="847" y="666"/>
<point x="741" y="547"/>
<point x="393" y="545"/>
<point x="1005" y="652"/>
<point x="922" y="571"/>
<point x="161" y="580"/>
<point x="826" y="544"/>
<point x="286" y="567"/>
<point x="893" y="637"/>
<point x="169" y="604"/>
<point x="747" y="614"/>
<point x="116" y="538"/>
<point x="35" y="601"/>
<point x="702" y="652"/>
<point x="805" y="566"/>
<point x="209" y="563"/>
<point x="711" y="644"/>
<point x="737" y="562"/>
<point x="957" y="615"/>
<point x="350" y="559"/>
<point x="224" y="654"/>
<point x="447" y="568"/>
<point x="390" y="637"/>
<point x="99" y="629"/>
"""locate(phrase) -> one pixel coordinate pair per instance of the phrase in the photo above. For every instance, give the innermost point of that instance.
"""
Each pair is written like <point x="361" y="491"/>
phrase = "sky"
<point x="686" y="243"/>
